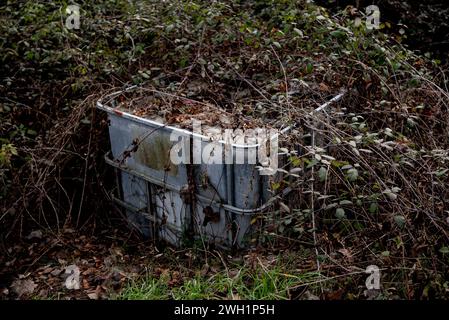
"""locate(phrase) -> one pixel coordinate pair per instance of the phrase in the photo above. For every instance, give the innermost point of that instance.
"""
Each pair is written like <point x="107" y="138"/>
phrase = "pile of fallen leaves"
<point x="68" y="265"/>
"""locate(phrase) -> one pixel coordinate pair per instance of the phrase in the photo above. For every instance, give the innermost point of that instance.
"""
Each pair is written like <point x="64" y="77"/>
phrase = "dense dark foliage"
<point x="375" y="191"/>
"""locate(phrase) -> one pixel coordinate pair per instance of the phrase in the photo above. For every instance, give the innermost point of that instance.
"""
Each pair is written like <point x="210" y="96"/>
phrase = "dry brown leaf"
<point x="284" y="207"/>
<point x="93" y="295"/>
<point x="23" y="287"/>
<point x="346" y="253"/>
<point x="36" y="234"/>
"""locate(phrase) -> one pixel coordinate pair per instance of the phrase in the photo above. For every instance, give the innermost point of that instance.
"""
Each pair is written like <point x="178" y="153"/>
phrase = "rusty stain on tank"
<point x="155" y="153"/>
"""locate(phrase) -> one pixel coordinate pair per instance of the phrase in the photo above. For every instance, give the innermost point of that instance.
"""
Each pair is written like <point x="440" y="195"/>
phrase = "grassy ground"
<point x="257" y="284"/>
<point x="251" y="276"/>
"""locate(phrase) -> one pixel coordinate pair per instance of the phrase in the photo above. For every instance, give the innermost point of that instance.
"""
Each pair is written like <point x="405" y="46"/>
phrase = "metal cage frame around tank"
<point x="230" y="199"/>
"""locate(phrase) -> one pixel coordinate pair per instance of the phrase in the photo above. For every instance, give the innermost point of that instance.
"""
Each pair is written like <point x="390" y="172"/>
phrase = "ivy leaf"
<point x="330" y="206"/>
<point x="338" y="34"/>
<point x="296" y="162"/>
<point x="277" y="44"/>
<point x="390" y="194"/>
<point x="373" y="208"/>
<point x="400" y="220"/>
<point x="352" y="174"/>
<point x="385" y="253"/>
<point x="309" y="68"/>
<point x="299" y="32"/>
<point x="322" y="174"/>
<point x="311" y="163"/>
<point x="444" y="250"/>
<point x="31" y="132"/>
<point x="340" y="213"/>
<point x="441" y="173"/>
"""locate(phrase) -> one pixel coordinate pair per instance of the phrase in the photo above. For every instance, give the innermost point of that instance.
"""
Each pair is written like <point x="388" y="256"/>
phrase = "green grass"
<point x="257" y="284"/>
